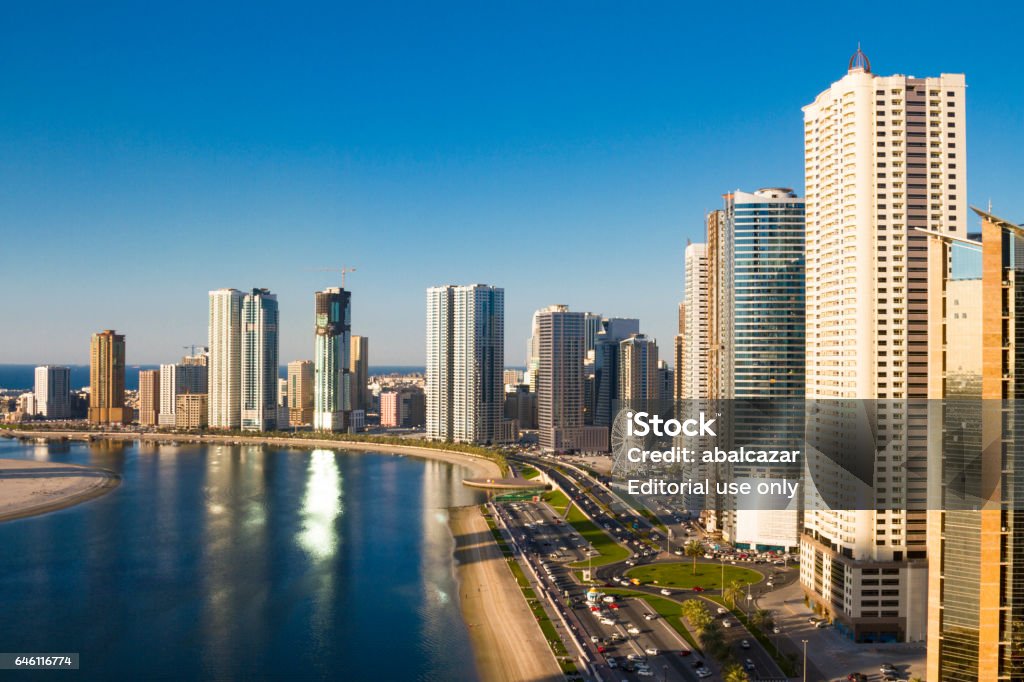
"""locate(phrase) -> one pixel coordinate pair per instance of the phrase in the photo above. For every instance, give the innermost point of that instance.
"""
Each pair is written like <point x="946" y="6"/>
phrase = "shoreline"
<point x="478" y="466"/>
<point x="30" y="488"/>
<point x="508" y="644"/>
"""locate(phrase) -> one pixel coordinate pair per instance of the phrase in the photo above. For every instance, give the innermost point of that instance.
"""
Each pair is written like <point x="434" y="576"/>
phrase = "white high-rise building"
<point x="225" y="368"/>
<point x="179" y="379"/>
<point x="695" y="353"/>
<point x="559" y="379"/>
<point x="883" y="158"/>
<point x="260" y="345"/>
<point x="53" y="391"/>
<point x="465" y="362"/>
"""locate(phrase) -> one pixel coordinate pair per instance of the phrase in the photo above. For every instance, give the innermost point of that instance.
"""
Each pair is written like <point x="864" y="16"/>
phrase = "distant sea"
<point x="22" y="377"/>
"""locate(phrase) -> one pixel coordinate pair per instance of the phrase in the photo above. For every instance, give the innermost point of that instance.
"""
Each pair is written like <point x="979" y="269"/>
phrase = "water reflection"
<point x="321" y="505"/>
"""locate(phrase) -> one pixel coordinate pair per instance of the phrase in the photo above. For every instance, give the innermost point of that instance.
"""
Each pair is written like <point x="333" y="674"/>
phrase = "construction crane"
<point x="343" y="270"/>
<point x="193" y="347"/>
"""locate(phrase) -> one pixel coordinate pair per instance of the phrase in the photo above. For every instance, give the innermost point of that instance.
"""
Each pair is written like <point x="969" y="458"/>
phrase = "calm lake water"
<point x="241" y="563"/>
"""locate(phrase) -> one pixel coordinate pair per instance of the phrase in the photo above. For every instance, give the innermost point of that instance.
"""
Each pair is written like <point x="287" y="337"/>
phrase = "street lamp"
<point x="805" y="659"/>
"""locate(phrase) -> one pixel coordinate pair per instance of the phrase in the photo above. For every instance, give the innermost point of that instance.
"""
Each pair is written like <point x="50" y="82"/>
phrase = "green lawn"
<point x="610" y="550"/>
<point x="557" y="500"/>
<point x="528" y="472"/>
<point x="680" y="574"/>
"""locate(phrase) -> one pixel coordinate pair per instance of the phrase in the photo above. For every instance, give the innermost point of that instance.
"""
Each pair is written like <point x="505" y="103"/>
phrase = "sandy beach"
<point x="507" y="641"/>
<point x="478" y="466"/>
<point x="28" y="488"/>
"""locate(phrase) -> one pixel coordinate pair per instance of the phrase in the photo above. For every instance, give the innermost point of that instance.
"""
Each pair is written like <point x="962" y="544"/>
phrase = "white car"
<point x="722" y="610"/>
<point x="667" y="593"/>
<point x="651" y="651"/>
<point x="726" y="623"/>
<point x="633" y="630"/>
<point x="644" y="672"/>
<point x="704" y="672"/>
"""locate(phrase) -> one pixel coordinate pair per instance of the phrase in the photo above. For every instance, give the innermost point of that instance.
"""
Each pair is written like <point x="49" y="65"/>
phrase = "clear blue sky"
<point x="562" y="150"/>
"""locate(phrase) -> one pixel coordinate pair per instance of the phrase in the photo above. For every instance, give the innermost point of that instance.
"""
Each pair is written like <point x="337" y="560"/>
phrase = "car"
<point x="634" y="657"/>
<point x="744" y="644"/>
<point x="726" y="623"/>
<point x="612" y="663"/>
<point x="601" y="649"/>
<point x="887" y="668"/>
<point x="703" y="673"/>
<point x="822" y="624"/>
<point x="651" y="651"/>
<point x="777" y="630"/>
<point x="685" y="652"/>
<point x="633" y="630"/>
<point x="649" y="616"/>
<point x="812" y="620"/>
<point x="698" y="588"/>
<point x="857" y="677"/>
<point x="608" y="599"/>
<point x="644" y="672"/>
<point x="749" y="665"/>
<point x="721" y="610"/>
<point x="607" y="621"/>
<point x="595" y="639"/>
<point x="613" y="606"/>
<point x="769" y="584"/>
<point x="667" y="593"/>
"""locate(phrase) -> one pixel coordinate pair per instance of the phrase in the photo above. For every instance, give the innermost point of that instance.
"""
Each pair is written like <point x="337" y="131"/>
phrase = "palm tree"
<point x="711" y="637"/>
<point x="694" y="549"/>
<point x="763" y="620"/>
<point x="732" y="592"/>
<point x="734" y="673"/>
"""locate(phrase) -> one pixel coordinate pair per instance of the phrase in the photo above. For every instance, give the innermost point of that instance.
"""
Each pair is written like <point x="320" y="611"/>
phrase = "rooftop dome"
<point x="859" y="60"/>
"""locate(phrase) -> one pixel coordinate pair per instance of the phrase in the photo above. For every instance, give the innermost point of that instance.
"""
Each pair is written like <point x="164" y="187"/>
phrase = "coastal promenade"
<point x="28" y="487"/>
<point x="507" y="641"/>
<point x="479" y="467"/>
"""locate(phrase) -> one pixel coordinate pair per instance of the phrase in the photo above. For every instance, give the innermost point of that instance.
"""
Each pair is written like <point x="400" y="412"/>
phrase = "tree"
<point x="712" y="639"/>
<point x="732" y="592"/>
<point x="762" y="620"/>
<point x="734" y="673"/>
<point x="694" y="549"/>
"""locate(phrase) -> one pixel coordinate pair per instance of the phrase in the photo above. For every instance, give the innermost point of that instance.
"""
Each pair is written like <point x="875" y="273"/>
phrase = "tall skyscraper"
<point x="638" y="369"/>
<point x="106" y="379"/>
<point x="696" y="352"/>
<point x="614" y="330"/>
<point x="225" y="363"/>
<point x="559" y="383"/>
<point x="883" y="156"/>
<point x="53" y="391"/>
<point x="440" y="362"/>
<point x="757" y="305"/>
<point x="465" y="362"/>
<point x="260" y="343"/>
<point x="975" y="518"/>
<point x="362" y="398"/>
<point x="149" y="397"/>
<point x="331" y="355"/>
<point x="679" y="357"/>
<point x="300" y="392"/>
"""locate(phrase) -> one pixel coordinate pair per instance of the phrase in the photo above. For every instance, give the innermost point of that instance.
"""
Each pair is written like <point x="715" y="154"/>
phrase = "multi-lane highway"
<point x="624" y="639"/>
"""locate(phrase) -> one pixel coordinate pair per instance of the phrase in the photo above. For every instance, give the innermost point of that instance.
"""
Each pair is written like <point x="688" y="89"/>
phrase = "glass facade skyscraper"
<point x="332" y="352"/>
